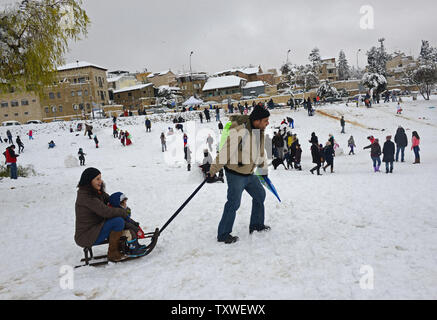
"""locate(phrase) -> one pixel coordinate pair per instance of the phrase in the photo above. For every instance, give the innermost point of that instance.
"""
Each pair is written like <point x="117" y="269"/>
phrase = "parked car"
<point x="11" y="123"/>
<point x="34" y="122"/>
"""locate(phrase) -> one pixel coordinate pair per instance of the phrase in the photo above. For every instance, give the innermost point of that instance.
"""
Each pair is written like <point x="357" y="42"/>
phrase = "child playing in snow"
<point x="96" y="141"/>
<point x="399" y="109"/>
<point x="81" y="157"/>
<point x="122" y="139"/>
<point x="133" y="248"/>
<point x="351" y="144"/>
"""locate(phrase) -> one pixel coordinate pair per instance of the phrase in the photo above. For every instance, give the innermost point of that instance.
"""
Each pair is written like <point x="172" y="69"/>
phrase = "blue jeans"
<point x="416" y="150"/>
<point x="376" y="160"/>
<point x="236" y="185"/>
<point x="13" y="167"/>
<point x="114" y="224"/>
<point x="401" y="149"/>
<point x="389" y="166"/>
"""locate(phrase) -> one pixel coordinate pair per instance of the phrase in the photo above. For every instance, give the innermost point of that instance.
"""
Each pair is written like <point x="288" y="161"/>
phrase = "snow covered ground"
<point x="323" y="232"/>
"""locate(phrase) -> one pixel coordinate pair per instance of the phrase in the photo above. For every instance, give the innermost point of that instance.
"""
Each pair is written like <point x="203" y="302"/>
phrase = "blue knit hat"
<point x="116" y="198"/>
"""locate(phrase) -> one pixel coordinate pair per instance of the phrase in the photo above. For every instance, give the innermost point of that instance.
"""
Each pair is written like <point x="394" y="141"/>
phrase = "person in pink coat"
<point x="415" y="147"/>
<point x="30" y="135"/>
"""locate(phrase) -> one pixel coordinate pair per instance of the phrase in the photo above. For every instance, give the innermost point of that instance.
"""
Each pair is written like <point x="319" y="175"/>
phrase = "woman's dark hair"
<point x="416" y="135"/>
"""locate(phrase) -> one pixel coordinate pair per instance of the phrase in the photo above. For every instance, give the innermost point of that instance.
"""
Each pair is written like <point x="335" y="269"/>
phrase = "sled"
<point x="91" y="260"/>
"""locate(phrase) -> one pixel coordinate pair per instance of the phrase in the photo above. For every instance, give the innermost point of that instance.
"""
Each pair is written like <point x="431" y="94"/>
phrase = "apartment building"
<point x="135" y="97"/>
<point x="20" y="106"/>
<point x="191" y="84"/>
<point x="328" y="70"/>
<point x="163" y="78"/>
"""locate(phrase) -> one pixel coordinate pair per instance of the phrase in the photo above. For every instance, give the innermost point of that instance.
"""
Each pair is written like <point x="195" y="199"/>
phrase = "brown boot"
<point x="114" y="253"/>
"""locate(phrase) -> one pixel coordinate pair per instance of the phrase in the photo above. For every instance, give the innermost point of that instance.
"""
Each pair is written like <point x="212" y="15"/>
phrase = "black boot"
<point x="258" y="228"/>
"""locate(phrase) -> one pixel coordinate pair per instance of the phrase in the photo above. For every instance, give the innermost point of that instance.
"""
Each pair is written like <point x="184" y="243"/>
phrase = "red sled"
<point x="140" y="233"/>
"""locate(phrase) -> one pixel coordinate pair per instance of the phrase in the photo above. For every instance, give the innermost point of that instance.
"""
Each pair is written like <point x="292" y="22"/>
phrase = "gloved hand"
<point x="133" y="222"/>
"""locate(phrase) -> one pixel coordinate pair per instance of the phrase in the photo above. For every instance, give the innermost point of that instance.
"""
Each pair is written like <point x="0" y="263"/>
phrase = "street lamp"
<point x="190" y="63"/>
<point x="357" y="59"/>
<point x="287" y="55"/>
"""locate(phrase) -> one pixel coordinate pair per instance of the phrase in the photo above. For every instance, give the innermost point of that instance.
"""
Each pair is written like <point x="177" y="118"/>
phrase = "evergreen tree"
<point x="343" y="67"/>
<point x="425" y="74"/>
<point x="315" y="59"/>
<point x="326" y="90"/>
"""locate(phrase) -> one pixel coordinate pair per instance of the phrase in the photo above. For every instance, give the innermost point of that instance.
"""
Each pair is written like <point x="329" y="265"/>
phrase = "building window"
<point x="81" y="80"/>
<point x="88" y="106"/>
<point x="46" y="109"/>
<point x="85" y="92"/>
<point x="59" y="95"/>
<point x="24" y="102"/>
<point x="72" y="93"/>
<point x="16" y="114"/>
<point x="60" y="108"/>
<point x="5" y="115"/>
<point x="5" y="104"/>
<point x="79" y="93"/>
<point x="14" y="103"/>
<point x="51" y="95"/>
<point x="26" y="113"/>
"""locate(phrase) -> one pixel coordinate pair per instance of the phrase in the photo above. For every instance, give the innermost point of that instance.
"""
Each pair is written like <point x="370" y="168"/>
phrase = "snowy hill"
<point x="323" y="232"/>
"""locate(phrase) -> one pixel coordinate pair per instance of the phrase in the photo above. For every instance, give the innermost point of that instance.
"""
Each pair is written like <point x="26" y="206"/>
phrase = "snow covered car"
<point x="11" y="123"/>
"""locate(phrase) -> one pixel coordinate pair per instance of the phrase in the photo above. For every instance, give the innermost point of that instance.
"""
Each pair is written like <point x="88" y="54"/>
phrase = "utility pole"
<point x="190" y="64"/>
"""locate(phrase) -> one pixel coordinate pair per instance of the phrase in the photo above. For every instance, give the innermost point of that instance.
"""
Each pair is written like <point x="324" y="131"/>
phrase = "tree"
<point x="34" y="36"/>
<point x="377" y="59"/>
<point x="343" y="67"/>
<point x="425" y="74"/>
<point x="326" y="90"/>
<point x="374" y="82"/>
<point x="315" y="59"/>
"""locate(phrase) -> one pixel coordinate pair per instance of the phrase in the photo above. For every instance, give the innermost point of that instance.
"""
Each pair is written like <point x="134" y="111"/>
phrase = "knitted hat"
<point x="116" y="198"/>
<point x="87" y="176"/>
<point x="259" y="113"/>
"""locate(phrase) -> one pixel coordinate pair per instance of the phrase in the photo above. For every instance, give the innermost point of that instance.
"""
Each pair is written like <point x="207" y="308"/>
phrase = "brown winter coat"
<point x="91" y="213"/>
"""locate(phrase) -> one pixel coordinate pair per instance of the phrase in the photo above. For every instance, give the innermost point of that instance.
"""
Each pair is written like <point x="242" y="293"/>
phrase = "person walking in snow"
<point x="351" y="145"/>
<point x="163" y="142"/>
<point x="217" y="113"/>
<point x="201" y="117"/>
<point x="81" y="157"/>
<point x="375" y="153"/>
<point x="30" y="135"/>
<point x="9" y="135"/>
<point x="399" y="109"/>
<point x="20" y="144"/>
<point x="207" y="116"/>
<point x="240" y="165"/>
<point x="328" y="152"/>
<point x="114" y="130"/>
<point x="401" y="141"/>
<point x="220" y="126"/>
<point x="96" y="141"/>
<point x="148" y="124"/>
<point x="388" y="151"/>
<point x="342" y="123"/>
<point x="315" y="154"/>
<point x="415" y="141"/>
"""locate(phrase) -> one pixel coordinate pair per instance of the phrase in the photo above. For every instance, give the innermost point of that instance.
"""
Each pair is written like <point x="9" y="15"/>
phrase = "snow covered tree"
<point x="34" y="36"/>
<point x="315" y="59"/>
<point x="425" y="75"/>
<point x="343" y="67"/>
<point x="377" y="59"/>
<point x="374" y="82"/>
<point x="326" y="90"/>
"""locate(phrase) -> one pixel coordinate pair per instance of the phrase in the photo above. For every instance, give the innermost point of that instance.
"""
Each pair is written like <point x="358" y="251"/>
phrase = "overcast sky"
<point x="158" y="35"/>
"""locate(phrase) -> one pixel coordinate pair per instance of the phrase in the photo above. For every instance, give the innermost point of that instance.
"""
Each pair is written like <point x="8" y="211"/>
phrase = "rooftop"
<point x="79" y="64"/>
<point x="222" y="82"/>
<point x="136" y="87"/>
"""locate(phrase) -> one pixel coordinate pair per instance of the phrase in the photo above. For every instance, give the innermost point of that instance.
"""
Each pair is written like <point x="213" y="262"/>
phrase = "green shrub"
<point x="21" y="171"/>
